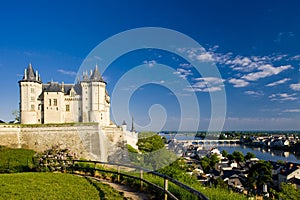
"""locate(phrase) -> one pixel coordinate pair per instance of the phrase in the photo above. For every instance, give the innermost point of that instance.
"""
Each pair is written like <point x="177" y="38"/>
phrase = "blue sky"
<point x="254" y="45"/>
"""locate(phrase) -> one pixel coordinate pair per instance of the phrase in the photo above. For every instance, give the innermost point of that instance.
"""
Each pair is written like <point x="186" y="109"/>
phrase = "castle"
<point x="58" y="114"/>
<point x="85" y="101"/>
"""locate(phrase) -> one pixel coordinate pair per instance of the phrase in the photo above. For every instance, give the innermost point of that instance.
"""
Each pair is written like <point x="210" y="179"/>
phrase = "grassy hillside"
<point x="53" y="186"/>
<point x="15" y="160"/>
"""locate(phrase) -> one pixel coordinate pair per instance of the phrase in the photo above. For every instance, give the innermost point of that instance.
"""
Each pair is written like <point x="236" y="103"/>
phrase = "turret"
<point x="30" y="89"/>
<point x="124" y="126"/>
<point x="95" y="103"/>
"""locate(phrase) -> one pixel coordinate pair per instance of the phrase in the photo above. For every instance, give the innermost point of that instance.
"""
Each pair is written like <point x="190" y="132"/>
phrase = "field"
<point x="53" y="186"/>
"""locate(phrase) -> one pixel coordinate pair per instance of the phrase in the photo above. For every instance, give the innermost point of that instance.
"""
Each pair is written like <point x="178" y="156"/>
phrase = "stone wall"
<point x="83" y="140"/>
<point x="89" y="141"/>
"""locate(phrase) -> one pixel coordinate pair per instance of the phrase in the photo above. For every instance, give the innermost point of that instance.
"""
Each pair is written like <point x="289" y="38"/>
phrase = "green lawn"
<point x="53" y="186"/>
<point x="15" y="160"/>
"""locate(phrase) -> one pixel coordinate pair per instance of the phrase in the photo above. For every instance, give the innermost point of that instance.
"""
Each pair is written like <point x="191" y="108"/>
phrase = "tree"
<point x="259" y="174"/>
<point x="222" y="137"/>
<point x="289" y="191"/>
<point x="154" y="154"/>
<point x="249" y="155"/>
<point x="230" y="157"/>
<point x="238" y="156"/>
<point x="213" y="160"/>
<point x="149" y="144"/>
<point x="205" y="163"/>
<point x="16" y="114"/>
<point x="219" y="183"/>
<point x="224" y="153"/>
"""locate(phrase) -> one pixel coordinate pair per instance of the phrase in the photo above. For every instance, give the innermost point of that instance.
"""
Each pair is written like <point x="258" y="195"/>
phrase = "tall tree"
<point x="249" y="155"/>
<point x="155" y="155"/>
<point x="238" y="156"/>
<point x="224" y="153"/>
<point x="259" y="174"/>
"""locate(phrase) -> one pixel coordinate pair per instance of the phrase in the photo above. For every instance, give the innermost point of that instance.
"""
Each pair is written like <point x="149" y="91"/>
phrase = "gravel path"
<point x="128" y="192"/>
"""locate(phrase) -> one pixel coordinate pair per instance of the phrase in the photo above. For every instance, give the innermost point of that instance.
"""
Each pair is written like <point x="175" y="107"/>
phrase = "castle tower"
<point x="124" y="126"/>
<point x="95" y="101"/>
<point x="30" y="89"/>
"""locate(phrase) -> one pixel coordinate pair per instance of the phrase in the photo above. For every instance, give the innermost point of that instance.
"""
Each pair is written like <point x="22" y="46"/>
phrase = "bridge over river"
<point x="208" y="142"/>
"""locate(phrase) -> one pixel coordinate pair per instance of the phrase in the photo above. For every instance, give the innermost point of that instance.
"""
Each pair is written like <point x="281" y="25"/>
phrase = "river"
<point x="260" y="153"/>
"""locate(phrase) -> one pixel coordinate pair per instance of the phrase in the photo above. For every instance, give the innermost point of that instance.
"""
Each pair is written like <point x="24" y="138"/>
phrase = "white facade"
<point x="85" y="101"/>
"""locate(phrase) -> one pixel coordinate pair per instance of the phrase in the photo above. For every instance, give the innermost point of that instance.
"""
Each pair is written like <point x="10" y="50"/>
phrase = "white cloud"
<point x="185" y="65"/>
<point x="150" y="63"/>
<point x="238" y="82"/>
<point x="283" y="97"/>
<point x="278" y="82"/>
<point x="295" y="86"/>
<point x="265" y="71"/>
<point x="183" y="73"/>
<point x="205" y="57"/>
<point x="292" y="110"/>
<point x="254" y="93"/>
<point x="65" y="72"/>
<point x="207" y="84"/>
<point x="297" y="57"/>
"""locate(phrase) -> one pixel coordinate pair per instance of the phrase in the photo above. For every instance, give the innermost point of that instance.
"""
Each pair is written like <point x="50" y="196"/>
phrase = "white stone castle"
<point x="56" y="105"/>
<point x="46" y="103"/>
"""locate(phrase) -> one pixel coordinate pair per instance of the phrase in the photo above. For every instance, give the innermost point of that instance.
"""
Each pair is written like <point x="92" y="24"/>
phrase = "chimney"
<point x="62" y="86"/>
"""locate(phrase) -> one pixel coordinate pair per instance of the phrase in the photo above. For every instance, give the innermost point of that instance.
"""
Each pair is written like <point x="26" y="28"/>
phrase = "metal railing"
<point x="165" y="189"/>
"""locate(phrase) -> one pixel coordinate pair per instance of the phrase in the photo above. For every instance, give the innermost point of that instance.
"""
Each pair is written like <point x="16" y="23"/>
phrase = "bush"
<point x="53" y="159"/>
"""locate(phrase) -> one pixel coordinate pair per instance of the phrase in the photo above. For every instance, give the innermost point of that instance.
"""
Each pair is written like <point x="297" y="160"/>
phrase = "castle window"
<point x="49" y="102"/>
<point x="32" y="99"/>
<point x="67" y="108"/>
<point x="32" y="90"/>
<point x="55" y="102"/>
<point x="32" y="107"/>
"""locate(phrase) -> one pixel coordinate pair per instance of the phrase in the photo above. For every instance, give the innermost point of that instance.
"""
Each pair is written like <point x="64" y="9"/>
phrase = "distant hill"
<point x="2" y="122"/>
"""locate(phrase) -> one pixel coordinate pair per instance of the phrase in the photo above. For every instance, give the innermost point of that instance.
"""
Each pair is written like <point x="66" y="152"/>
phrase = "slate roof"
<point x="95" y="76"/>
<point x="289" y="168"/>
<point x="230" y="173"/>
<point x="53" y="87"/>
<point x="294" y="180"/>
<point x="30" y="75"/>
<point x="56" y="87"/>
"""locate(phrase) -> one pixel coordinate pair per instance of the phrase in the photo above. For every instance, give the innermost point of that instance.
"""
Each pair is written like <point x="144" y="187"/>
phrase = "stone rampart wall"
<point x="79" y="138"/>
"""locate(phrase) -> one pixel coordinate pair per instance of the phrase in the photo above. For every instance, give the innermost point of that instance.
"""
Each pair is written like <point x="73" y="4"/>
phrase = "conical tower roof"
<point x="96" y="76"/>
<point x="30" y="75"/>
